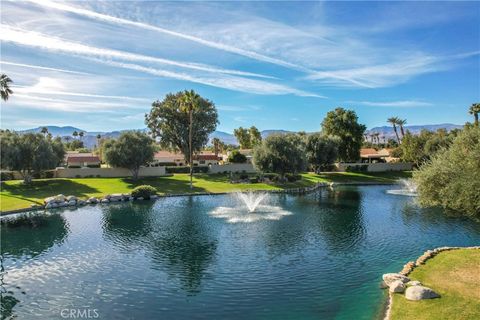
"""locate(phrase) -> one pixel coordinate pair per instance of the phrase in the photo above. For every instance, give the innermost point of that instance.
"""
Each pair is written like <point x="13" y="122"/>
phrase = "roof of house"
<point x="368" y="151"/>
<point x="206" y="157"/>
<point x="167" y="154"/>
<point x="76" y="158"/>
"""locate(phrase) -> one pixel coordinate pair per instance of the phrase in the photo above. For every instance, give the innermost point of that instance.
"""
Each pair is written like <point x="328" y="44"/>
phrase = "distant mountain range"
<point x="90" y="138"/>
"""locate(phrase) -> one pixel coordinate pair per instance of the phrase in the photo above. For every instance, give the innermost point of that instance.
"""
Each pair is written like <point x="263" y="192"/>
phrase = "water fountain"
<point x="409" y="188"/>
<point x="252" y="206"/>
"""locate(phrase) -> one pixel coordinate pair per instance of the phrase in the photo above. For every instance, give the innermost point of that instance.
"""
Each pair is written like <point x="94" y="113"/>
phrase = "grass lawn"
<point x="455" y="275"/>
<point x="15" y="195"/>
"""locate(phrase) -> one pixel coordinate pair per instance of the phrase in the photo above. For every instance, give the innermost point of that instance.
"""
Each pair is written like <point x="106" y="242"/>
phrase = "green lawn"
<point x="15" y="195"/>
<point x="455" y="275"/>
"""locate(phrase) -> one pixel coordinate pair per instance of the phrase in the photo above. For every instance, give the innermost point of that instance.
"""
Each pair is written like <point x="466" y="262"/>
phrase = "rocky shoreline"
<point x="414" y="290"/>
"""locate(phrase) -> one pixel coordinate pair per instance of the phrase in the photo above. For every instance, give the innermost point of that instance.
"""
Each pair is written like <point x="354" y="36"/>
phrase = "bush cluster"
<point x="186" y="169"/>
<point x="144" y="191"/>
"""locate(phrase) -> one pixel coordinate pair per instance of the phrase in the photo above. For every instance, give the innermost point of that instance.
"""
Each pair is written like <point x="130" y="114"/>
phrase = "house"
<point x="79" y="160"/>
<point x="167" y="158"/>
<point x="370" y="155"/>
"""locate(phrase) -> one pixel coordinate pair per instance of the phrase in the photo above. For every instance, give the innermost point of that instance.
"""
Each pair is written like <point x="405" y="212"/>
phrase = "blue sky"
<point x="276" y="65"/>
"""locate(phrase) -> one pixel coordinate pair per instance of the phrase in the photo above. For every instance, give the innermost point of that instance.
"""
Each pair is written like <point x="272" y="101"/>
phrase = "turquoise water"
<point x="178" y="258"/>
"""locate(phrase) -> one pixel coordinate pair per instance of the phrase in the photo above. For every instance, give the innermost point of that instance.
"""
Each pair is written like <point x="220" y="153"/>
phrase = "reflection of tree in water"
<point x="128" y="223"/>
<point x="340" y="219"/>
<point x="30" y="236"/>
<point x="184" y="244"/>
<point x="178" y="240"/>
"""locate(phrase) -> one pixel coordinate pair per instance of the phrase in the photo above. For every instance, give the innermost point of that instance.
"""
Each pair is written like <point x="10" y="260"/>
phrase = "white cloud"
<point x="38" y="40"/>
<point x="41" y="67"/>
<point x="398" y="104"/>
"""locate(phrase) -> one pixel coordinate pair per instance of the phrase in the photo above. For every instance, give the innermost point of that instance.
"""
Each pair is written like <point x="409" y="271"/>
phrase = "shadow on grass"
<point x="46" y="188"/>
<point x="166" y="184"/>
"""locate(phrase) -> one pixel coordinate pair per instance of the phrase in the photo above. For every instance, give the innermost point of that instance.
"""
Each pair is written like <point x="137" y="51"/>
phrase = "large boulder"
<point x="396" y="286"/>
<point x="413" y="283"/>
<point x="115" y="197"/>
<point x="60" y="198"/>
<point x="70" y="198"/>
<point x="419" y="293"/>
<point x="50" y="200"/>
<point x="92" y="200"/>
<point x="105" y="200"/>
<point x="388" y="278"/>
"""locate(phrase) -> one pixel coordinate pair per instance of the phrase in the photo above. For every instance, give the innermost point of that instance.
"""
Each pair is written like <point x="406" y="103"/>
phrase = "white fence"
<point x="232" y="167"/>
<point x="374" y="167"/>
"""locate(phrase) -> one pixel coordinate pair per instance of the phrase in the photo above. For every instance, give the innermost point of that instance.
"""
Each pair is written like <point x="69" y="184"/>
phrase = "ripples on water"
<point x="299" y="257"/>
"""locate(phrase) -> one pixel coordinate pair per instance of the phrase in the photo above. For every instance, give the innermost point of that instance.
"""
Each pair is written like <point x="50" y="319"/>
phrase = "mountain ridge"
<point x="90" y="138"/>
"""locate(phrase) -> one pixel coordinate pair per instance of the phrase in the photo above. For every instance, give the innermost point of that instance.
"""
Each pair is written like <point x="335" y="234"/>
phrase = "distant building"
<point x="370" y="155"/>
<point x="167" y="158"/>
<point x="74" y="160"/>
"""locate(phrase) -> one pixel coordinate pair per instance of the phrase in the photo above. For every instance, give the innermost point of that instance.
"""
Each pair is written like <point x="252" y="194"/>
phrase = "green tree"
<point x="216" y="145"/>
<point x="394" y="121"/>
<point x="236" y="157"/>
<point x="172" y="122"/>
<point x="281" y="154"/>
<point x="29" y="153"/>
<point x="344" y="125"/>
<point x="451" y="178"/>
<point x="321" y="151"/>
<point x="5" y="87"/>
<point x="75" y="134"/>
<point x="243" y="138"/>
<point x="81" y="134"/>
<point x="131" y="150"/>
<point x="44" y="131"/>
<point x="255" y="136"/>
<point x="475" y="110"/>
<point x="420" y="148"/>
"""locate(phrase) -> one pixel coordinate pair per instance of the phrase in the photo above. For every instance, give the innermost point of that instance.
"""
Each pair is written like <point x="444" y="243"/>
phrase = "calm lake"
<point x="317" y="256"/>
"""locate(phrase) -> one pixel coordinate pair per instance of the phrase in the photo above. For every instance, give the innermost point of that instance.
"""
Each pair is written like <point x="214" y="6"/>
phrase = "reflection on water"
<point x="171" y="259"/>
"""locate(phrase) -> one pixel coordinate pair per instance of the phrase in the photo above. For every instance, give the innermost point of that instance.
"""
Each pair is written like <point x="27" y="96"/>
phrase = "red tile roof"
<point x="368" y="151"/>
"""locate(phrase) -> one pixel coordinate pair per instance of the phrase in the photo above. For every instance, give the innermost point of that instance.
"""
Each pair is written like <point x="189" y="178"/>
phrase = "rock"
<point x="153" y="197"/>
<point x="419" y="293"/>
<point x="115" y="197"/>
<point x="413" y="283"/>
<point x="391" y="277"/>
<point x="72" y="203"/>
<point x="383" y="285"/>
<point x="140" y="198"/>
<point x="49" y="205"/>
<point x="70" y="198"/>
<point x="81" y="202"/>
<point x="62" y="204"/>
<point x="131" y="198"/>
<point x="49" y="199"/>
<point x="396" y="286"/>
<point x="92" y="200"/>
<point x="105" y="200"/>
<point x="60" y="198"/>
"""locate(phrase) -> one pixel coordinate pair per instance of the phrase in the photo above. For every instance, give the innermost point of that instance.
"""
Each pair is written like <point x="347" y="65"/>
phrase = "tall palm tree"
<point x="5" y="86"/>
<point x="75" y="134"/>
<point x="475" y="110"/>
<point x="377" y="134"/>
<point x="81" y="134"/>
<point x="393" y="121"/>
<point x="216" y="146"/>
<point x="189" y="103"/>
<point x="401" y="123"/>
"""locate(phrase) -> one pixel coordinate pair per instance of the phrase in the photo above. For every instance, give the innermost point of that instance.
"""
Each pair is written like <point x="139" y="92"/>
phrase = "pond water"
<point x="322" y="257"/>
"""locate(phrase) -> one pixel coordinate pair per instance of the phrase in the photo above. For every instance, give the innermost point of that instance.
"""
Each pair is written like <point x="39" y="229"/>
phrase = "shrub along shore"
<point x="15" y="195"/>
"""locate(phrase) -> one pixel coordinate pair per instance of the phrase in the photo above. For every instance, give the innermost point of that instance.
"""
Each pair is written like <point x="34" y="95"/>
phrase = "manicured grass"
<point x="15" y="195"/>
<point x="455" y="275"/>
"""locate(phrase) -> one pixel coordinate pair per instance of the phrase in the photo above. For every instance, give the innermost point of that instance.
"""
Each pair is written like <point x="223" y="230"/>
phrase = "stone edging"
<point x="302" y="190"/>
<point x="409" y="266"/>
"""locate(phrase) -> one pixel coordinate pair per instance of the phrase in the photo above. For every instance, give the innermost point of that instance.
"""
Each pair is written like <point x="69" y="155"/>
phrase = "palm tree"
<point x="189" y="103"/>
<point x="401" y="123"/>
<point x="475" y="110"/>
<point x="216" y="146"/>
<point x="393" y="121"/>
<point x="44" y="131"/>
<point x="377" y="134"/>
<point x="75" y="134"/>
<point x="81" y="134"/>
<point x="5" y="87"/>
